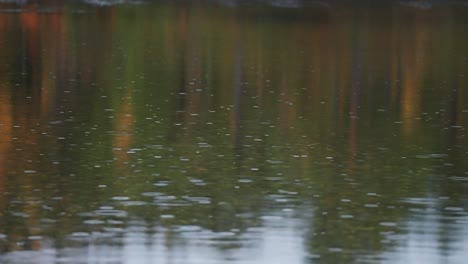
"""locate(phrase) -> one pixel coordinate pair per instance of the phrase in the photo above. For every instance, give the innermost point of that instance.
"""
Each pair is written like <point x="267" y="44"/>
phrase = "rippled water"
<point x="233" y="132"/>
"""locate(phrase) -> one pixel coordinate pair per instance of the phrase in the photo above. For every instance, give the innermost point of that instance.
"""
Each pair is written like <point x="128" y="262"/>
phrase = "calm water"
<point x="214" y="133"/>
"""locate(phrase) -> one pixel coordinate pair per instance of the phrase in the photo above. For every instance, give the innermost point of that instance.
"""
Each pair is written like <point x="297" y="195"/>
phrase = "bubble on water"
<point x="30" y="171"/>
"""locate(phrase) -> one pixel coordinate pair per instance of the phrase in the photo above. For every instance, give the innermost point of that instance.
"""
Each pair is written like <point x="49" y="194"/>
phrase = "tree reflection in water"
<point x="162" y="131"/>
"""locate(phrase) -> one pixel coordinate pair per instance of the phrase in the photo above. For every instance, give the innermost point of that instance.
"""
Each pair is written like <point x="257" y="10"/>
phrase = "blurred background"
<point x="233" y="131"/>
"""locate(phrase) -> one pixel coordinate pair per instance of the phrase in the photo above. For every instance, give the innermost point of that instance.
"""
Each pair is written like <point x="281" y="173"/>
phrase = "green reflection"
<point x="351" y="120"/>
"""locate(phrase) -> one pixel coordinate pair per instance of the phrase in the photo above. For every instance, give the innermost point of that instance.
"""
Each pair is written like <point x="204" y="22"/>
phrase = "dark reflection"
<point x="168" y="131"/>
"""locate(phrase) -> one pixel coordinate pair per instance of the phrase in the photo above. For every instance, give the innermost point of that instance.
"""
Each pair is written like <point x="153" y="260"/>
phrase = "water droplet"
<point x="271" y="217"/>
<point x="274" y="161"/>
<point x="133" y="203"/>
<point x="346" y="216"/>
<point x="151" y="194"/>
<point x="454" y="209"/>
<point x="93" y="222"/>
<point x="162" y="183"/>
<point x="165" y="197"/>
<point x="189" y="228"/>
<point x="287" y="192"/>
<point x="79" y="234"/>
<point x="111" y="212"/>
<point x="166" y="216"/>
<point x="389" y="224"/>
<point x="244" y="180"/>
<point x="120" y="198"/>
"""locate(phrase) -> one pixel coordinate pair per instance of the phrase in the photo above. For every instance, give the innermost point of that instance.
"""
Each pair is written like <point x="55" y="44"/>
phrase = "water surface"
<point x="218" y="133"/>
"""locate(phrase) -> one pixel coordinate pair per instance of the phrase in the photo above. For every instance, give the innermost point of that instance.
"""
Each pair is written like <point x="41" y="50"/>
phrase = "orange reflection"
<point x="5" y="142"/>
<point x="123" y="137"/>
